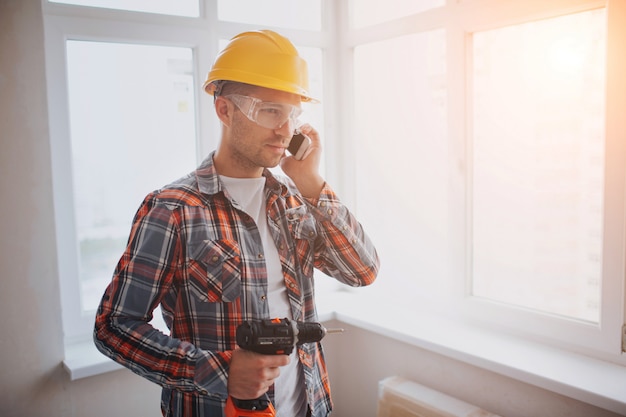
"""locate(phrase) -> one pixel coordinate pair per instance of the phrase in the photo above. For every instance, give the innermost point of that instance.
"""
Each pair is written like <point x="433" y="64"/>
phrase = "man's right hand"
<point x="252" y="374"/>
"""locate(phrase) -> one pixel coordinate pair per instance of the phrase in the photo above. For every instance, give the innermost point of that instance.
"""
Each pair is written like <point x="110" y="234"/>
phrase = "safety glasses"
<point x="265" y="113"/>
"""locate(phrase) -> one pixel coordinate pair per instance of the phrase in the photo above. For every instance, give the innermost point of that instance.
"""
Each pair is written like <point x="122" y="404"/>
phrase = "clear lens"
<point x="264" y="113"/>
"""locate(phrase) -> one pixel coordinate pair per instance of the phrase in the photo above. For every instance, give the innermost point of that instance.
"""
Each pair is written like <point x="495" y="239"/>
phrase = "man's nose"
<point x="287" y="129"/>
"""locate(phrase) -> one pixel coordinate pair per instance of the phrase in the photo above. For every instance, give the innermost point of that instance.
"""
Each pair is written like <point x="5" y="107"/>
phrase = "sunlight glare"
<point x="566" y="57"/>
<point x="537" y="152"/>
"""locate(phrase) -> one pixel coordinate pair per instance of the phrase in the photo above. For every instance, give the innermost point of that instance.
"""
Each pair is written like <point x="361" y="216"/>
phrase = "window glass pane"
<point x="538" y="150"/>
<point x="371" y="12"/>
<point x="305" y="15"/>
<point x="132" y="131"/>
<point x="402" y="158"/>
<point x="188" y="8"/>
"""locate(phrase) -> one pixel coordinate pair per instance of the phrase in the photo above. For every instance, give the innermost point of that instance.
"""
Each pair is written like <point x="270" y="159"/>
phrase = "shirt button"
<point x="281" y="246"/>
<point x="330" y="211"/>
<point x="263" y="297"/>
<point x="323" y="204"/>
<point x="214" y="258"/>
<point x="260" y="256"/>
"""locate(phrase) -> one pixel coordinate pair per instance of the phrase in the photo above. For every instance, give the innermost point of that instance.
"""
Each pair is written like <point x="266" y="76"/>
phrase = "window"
<point x="127" y="116"/>
<point x="537" y="164"/>
<point x="131" y="107"/>
<point x="484" y="165"/>
<point x="400" y="110"/>
<point x="489" y="177"/>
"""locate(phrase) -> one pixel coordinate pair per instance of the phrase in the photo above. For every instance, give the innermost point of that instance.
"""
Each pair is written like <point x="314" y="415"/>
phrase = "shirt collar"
<point x="209" y="182"/>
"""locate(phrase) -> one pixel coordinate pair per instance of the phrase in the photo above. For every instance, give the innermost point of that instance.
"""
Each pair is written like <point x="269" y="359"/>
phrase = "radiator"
<point x="399" y="397"/>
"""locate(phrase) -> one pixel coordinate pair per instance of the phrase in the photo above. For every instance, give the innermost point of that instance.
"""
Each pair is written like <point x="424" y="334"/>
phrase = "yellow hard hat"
<point x="262" y="58"/>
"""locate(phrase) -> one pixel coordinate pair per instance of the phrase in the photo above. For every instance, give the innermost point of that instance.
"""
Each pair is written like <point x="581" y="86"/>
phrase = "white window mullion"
<point x="614" y="264"/>
<point x="58" y="109"/>
<point x="458" y="128"/>
<point x="340" y="142"/>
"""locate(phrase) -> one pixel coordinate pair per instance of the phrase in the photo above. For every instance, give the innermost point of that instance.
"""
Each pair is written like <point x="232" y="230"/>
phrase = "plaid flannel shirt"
<point x="196" y="253"/>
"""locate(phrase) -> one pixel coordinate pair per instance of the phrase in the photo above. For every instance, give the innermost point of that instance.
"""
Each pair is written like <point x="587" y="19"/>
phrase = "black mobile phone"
<point x="298" y="145"/>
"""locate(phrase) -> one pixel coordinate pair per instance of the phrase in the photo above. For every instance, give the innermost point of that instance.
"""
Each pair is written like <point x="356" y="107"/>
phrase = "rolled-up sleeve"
<point x="342" y="248"/>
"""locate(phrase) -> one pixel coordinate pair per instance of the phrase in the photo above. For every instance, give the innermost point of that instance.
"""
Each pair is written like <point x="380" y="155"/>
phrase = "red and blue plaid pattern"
<point x="194" y="252"/>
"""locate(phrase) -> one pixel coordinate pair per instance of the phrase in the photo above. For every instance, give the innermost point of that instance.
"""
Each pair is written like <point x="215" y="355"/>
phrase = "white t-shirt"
<point x="249" y="193"/>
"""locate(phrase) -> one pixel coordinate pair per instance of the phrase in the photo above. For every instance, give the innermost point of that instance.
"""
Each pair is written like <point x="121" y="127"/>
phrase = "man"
<point x="232" y="242"/>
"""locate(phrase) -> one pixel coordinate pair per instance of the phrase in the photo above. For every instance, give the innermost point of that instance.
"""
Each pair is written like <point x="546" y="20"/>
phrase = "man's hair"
<point x="224" y="88"/>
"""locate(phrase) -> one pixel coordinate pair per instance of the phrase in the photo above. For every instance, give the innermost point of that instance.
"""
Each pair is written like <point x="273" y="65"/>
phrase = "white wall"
<point x="358" y="359"/>
<point x="32" y="381"/>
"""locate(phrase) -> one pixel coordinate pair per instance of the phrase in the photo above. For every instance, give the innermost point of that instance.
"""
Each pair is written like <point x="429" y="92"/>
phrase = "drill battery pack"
<point x="259" y="407"/>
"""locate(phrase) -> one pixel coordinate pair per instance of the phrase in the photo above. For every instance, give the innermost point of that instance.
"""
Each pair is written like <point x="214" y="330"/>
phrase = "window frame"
<point x="78" y="325"/>
<point x="604" y="339"/>
<point x="337" y="40"/>
<point x="202" y="34"/>
<point x="460" y="19"/>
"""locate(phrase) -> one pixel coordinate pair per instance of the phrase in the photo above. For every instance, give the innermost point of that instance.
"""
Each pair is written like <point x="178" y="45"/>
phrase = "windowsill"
<point x="83" y="360"/>
<point x="573" y="375"/>
<point x="593" y="381"/>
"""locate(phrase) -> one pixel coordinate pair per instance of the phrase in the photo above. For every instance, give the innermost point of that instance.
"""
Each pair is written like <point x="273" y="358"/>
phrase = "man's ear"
<point x="224" y="110"/>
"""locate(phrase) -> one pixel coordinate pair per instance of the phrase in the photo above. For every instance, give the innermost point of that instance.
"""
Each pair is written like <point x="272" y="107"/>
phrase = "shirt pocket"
<point x="302" y="228"/>
<point x="214" y="268"/>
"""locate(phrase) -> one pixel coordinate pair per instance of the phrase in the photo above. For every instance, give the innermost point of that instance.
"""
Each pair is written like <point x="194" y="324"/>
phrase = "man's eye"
<point x="273" y="111"/>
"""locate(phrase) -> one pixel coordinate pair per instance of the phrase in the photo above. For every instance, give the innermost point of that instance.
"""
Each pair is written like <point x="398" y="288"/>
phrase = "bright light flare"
<point x="567" y="56"/>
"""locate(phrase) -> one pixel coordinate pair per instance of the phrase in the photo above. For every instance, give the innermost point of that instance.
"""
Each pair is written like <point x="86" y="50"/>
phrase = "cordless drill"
<point x="271" y="337"/>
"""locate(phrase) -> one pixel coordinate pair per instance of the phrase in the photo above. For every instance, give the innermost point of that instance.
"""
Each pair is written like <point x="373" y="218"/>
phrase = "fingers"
<point x="310" y="132"/>
<point x="252" y="374"/>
